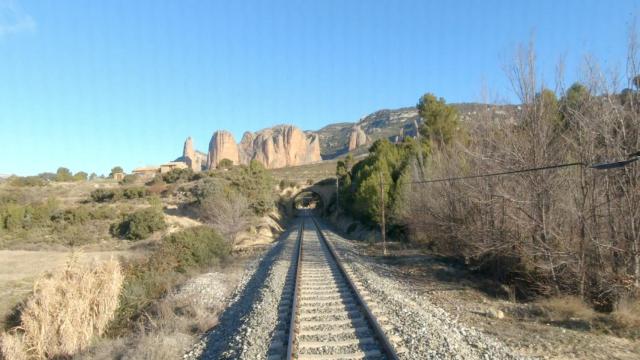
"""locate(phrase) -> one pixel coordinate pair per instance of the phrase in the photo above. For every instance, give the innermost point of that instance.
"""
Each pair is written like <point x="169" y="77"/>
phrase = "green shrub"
<point x="104" y="195"/>
<point x="134" y="192"/>
<point x="14" y="217"/>
<point x="108" y="195"/>
<point x="80" y="176"/>
<point x="63" y="174"/>
<point x="255" y="183"/>
<point x="177" y="175"/>
<point x="150" y="280"/>
<point x="79" y="215"/>
<point x="139" y="225"/>
<point x="225" y="164"/>
<point x="128" y="179"/>
<point x="194" y="247"/>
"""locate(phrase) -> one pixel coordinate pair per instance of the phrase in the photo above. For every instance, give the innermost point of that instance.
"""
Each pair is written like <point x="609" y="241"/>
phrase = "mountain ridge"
<point x="286" y="145"/>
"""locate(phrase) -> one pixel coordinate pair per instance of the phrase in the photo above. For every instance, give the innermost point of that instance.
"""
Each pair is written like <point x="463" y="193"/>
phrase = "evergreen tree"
<point x="440" y="120"/>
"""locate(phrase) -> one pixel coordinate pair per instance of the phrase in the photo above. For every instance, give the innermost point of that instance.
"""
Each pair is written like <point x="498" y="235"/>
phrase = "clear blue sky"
<point x="93" y="84"/>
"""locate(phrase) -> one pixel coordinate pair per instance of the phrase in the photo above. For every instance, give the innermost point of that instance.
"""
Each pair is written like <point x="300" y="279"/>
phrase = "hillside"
<point x="385" y="123"/>
<point x="334" y="138"/>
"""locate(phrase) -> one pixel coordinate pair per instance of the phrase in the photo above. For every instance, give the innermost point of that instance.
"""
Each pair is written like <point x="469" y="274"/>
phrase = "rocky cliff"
<point x="194" y="159"/>
<point x="275" y="147"/>
<point x="222" y="146"/>
<point x="286" y="145"/>
<point x="357" y="138"/>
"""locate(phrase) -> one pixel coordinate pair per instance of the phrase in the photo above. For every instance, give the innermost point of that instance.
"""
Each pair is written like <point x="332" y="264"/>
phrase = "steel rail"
<point x="296" y="291"/>
<point x="387" y="346"/>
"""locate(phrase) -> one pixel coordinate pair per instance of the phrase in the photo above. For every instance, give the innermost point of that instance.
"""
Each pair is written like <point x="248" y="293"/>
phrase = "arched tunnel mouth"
<point x="307" y="200"/>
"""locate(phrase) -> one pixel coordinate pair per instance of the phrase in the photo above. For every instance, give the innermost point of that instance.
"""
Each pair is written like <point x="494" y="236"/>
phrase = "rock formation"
<point x="191" y="157"/>
<point x="222" y="146"/>
<point x="416" y="129"/>
<point x="246" y="147"/>
<point x="280" y="146"/>
<point x="276" y="147"/>
<point x="357" y="137"/>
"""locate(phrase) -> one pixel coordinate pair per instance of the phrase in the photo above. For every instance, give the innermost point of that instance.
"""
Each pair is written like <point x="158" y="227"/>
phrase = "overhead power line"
<point x="599" y="166"/>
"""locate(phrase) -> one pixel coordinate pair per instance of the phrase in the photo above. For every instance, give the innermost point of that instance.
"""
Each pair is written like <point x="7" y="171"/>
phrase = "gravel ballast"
<point x="426" y="331"/>
<point x="246" y="327"/>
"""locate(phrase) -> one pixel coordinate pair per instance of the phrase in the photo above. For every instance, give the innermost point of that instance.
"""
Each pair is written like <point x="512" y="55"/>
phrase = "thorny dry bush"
<point x="574" y="230"/>
<point x="66" y="312"/>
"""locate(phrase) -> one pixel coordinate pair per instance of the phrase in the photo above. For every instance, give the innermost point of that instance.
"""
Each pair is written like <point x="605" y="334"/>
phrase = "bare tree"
<point x="229" y="213"/>
<point x="575" y="230"/>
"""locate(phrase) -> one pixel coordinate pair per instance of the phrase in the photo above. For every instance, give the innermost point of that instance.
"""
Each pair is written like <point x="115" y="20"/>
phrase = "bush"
<point x="134" y="193"/>
<point x="104" y="212"/>
<point x="79" y="215"/>
<point x="284" y="183"/>
<point x="128" y="179"/>
<point x="63" y="174"/>
<point x="139" y="225"/>
<point x="625" y="319"/>
<point x="27" y="181"/>
<point x="178" y="253"/>
<point x="225" y="164"/>
<point x="108" y="195"/>
<point x="15" y="217"/>
<point x="195" y="247"/>
<point x="80" y="176"/>
<point x="177" y="175"/>
<point x="255" y="183"/>
<point x="66" y="312"/>
<point x="103" y="195"/>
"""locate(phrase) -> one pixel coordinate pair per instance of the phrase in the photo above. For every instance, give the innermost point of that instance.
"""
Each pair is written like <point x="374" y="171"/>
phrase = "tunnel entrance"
<point x="307" y="201"/>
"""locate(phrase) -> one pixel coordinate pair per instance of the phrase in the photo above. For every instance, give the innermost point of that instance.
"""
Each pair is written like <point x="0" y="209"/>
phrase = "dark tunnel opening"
<point x="307" y="201"/>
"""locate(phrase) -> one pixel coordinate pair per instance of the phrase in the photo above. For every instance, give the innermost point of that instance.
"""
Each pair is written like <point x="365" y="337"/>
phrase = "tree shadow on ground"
<point x="432" y="272"/>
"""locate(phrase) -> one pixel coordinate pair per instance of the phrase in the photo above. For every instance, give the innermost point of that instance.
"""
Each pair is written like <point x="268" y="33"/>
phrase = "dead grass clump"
<point x="159" y="346"/>
<point x="11" y="347"/>
<point x="568" y="307"/>
<point x="68" y="309"/>
<point x="625" y="319"/>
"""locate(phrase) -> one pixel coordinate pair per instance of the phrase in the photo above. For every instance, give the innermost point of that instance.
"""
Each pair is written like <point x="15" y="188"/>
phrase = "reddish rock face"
<point x="192" y="158"/>
<point x="357" y="137"/>
<point x="222" y="146"/>
<point x="276" y="147"/>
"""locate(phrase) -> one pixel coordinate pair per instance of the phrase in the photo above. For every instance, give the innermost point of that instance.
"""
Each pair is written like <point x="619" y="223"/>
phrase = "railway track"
<point x="327" y="316"/>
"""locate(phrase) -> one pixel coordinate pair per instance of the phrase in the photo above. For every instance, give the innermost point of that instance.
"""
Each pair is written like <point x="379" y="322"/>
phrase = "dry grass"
<point x="152" y="346"/>
<point x="625" y="319"/>
<point x="12" y="347"/>
<point x="628" y="311"/>
<point x="20" y="269"/>
<point x="67" y="310"/>
<point x="568" y="307"/>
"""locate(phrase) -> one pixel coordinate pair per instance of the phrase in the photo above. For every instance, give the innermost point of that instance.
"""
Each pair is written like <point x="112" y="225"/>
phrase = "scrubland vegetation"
<point x="128" y="301"/>
<point x="571" y="231"/>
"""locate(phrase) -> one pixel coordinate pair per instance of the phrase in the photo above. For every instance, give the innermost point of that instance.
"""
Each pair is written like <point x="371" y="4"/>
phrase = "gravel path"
<point x="427" y="331"/>
<point x="246" y="327"/>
